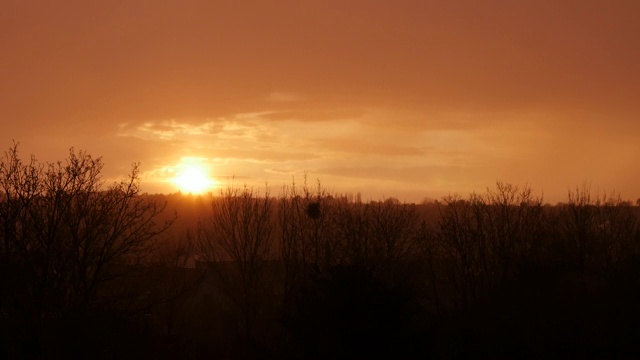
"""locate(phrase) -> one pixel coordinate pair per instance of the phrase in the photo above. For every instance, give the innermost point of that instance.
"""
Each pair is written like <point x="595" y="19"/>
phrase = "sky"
<point x="410" y="99"/>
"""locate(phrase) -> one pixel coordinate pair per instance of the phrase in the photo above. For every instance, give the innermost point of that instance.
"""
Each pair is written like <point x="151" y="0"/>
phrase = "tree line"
<point x="89" y="269"/>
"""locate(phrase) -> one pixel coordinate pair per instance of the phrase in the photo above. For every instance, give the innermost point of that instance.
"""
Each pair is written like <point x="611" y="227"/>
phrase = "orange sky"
<point x="411" y="99"/>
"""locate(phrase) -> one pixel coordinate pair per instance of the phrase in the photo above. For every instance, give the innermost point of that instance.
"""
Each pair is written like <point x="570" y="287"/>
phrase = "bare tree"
<point x="394" y="228"/>
<point x="599" y="230"/>
<point x="66" y="234"/>
<point x="304" y="217"/>
<point x="513" y="225"/>
<point x="235" y="242"/>
<point x="487" y="238"/>
<point x="461" y="241"/>
<point x="353" y="227"/>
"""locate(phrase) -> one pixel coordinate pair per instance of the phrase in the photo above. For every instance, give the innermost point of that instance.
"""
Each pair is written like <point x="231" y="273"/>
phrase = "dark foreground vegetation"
<point x="94" y="271"/>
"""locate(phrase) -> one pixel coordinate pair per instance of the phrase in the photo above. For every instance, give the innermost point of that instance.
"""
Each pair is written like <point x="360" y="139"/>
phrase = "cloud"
<point x="170" y="129"/>
<point x="333" y="138"/>
<point x="285" y="171"/>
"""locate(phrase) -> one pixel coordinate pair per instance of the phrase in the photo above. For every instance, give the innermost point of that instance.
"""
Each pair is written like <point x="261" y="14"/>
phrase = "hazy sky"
<point x="411" y="99"/>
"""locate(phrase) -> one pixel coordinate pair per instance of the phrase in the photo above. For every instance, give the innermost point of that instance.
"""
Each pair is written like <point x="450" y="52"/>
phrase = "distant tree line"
<point x="90" y="270"/>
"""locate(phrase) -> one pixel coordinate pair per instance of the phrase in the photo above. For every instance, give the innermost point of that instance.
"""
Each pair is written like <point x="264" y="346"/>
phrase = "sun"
<point x="193" y="177"/>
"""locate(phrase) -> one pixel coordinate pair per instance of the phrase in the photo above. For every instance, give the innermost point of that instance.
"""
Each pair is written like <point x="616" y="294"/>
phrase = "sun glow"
<point x="193" y="177"/>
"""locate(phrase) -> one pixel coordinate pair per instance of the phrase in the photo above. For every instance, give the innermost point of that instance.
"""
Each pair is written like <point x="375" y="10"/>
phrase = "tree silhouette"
<point x="235" y="242"/>
<point x="65" y="235"/>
